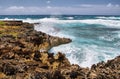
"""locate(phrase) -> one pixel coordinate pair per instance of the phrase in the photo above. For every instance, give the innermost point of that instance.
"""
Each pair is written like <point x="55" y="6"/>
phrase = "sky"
<point x="79" y="7"/>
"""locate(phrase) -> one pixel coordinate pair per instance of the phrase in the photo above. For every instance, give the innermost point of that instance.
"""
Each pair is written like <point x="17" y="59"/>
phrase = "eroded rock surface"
<point x="24" y="55"/>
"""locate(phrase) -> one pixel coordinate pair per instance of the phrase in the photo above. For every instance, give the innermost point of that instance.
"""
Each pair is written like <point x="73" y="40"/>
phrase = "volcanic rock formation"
<point x="24" y="55"/>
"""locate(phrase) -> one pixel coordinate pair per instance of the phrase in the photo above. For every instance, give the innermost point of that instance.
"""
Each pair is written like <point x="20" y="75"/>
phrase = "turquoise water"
<point x="94" y="38"/>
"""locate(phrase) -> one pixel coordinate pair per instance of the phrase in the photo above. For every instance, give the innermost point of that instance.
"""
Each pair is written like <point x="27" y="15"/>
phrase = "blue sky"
<point x="80" y="7"/>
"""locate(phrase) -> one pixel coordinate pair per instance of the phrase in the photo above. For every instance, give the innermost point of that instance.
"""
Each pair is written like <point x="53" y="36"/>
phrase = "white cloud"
<point x="81" y="9"/>
<point x="86" y="5"/>
<point x="112" y="5"/>
<point x="15" y="8"/>
<point x="109" y="5"/>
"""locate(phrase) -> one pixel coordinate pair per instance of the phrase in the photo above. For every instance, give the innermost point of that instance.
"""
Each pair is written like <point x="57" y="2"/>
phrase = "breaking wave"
<point x="109" y="18"/>
<point x="93" y="40"/>
<point x="108" y="23"/>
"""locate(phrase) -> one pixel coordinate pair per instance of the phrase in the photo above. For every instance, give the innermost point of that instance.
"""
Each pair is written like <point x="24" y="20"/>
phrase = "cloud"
<point x="84" y="9"/>
<point x="109" y="5"/>
<point x="49" y="7"/>
<point x="117" y="5"/>
<point x="112" y="5"/>
<point x="97" y="5"/>
<point x="15" y="8"/>
<point x="84" y="5"/>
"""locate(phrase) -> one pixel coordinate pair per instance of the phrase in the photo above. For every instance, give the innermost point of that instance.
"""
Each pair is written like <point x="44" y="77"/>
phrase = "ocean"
<point x="94" y="38"/>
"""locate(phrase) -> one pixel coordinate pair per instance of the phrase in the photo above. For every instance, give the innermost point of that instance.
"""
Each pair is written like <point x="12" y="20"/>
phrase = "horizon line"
<point x="62" y="14"/>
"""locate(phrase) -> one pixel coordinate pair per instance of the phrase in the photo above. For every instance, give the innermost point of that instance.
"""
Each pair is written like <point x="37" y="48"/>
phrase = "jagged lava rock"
<point x="24" y="55"/>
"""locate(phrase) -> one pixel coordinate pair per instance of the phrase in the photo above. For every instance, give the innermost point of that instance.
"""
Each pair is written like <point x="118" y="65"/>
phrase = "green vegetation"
<point x="2" y="23"/>
<point x="10" y="30"/>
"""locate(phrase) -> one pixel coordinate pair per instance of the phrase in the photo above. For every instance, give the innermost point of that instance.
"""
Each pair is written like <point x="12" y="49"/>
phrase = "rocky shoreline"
<point x="24" y="55"/>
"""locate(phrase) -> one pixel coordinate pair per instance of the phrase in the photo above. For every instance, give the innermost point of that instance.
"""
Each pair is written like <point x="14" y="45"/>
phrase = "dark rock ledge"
<point x="24" y="55"/>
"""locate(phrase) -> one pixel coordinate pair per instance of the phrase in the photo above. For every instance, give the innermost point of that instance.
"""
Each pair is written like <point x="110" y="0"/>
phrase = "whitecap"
<point x="109" y="18"/>
<point x="107" y="23"/>
<point x="70" y="18"/>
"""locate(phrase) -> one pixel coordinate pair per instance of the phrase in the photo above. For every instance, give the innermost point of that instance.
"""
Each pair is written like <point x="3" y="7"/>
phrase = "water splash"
<point x="94" y="40"/>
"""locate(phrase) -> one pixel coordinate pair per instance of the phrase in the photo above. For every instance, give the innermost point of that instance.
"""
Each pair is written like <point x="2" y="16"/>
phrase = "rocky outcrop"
<point x="24" y="55"/>
<point x="12" y="23"/>
<point x="108" y="70"/>
<point x="20" y="32"/>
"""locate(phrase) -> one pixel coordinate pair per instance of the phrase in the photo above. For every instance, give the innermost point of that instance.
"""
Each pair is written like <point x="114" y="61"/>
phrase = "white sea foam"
<point x="10" y="19"/>
<point x="90" y="57"/>
<point x="108" y="52"/>
<point x="108" y="23"/>
<point x="86" y="55"/>
<point x="47" y="28"/>
<point x="70" y="50"/>
<point x="109" y="18"/>
<point x="107" y="37"/>
<point x="70" y="18"/>
<point x="91" y="54"/>
<point x="117" y="44"/>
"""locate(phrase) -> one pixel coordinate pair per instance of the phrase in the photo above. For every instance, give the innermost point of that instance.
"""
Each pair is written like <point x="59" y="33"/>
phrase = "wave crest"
<point x="109" y="18"/>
